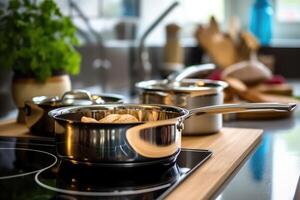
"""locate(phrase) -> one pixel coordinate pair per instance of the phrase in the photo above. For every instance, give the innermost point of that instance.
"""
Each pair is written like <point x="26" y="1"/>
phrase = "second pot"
<point x="36" y="110"/>
<point x="189" y="94"/>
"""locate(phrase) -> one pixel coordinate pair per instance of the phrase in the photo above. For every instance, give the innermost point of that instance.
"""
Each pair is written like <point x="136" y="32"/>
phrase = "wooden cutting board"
<point x="230" y="147"/>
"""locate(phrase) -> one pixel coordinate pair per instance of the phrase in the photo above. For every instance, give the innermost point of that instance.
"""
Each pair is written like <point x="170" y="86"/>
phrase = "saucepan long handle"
<point x="243" y="107"/>
<point x="221" y="109"/>
<point x="134" y="138"/>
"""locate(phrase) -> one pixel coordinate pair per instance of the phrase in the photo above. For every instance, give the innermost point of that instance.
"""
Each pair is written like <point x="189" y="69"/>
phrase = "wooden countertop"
<point x="230" y="147"/>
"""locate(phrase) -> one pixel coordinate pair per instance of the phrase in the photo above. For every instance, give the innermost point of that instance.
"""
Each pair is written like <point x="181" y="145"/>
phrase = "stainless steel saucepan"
<point x="154" y="139"/>
<point x="176" y="90"/>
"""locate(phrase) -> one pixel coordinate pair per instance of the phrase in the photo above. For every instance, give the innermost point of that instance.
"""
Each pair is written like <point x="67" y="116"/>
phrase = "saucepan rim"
<point x="57" y="113"/>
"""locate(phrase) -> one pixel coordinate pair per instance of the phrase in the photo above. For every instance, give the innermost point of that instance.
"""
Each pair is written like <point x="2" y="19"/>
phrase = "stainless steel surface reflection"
<point x="110" y="145"/>
<point x="118" y="144"/>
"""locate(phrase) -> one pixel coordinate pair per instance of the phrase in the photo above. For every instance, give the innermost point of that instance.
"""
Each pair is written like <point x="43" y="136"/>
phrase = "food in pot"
<point x="88" y="120"/>
<point x="112" y="118"/>
<point x="126" y="118"/>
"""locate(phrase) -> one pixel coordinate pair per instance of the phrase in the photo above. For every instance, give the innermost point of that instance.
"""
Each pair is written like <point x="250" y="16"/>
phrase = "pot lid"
<point x="76" y="98"/>
<point x="186" y="85"/>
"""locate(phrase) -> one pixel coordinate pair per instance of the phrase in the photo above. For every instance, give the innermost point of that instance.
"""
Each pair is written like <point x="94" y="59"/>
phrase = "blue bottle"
<point x="261" y="21"/>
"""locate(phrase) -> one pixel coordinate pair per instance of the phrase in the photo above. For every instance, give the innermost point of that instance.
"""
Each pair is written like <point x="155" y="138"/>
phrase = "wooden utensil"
<point x="255" y="96"/>
<point x="219" y="46"/>
<point x="239" y="88"/>
<point x="226" y="49"/>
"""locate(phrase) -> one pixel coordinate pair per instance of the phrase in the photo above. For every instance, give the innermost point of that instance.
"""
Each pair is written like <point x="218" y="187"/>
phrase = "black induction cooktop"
<point x="30" y="169"/>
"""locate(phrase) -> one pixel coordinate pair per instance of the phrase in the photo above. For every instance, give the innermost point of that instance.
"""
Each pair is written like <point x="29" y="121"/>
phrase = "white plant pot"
<point x="24" y="89"/>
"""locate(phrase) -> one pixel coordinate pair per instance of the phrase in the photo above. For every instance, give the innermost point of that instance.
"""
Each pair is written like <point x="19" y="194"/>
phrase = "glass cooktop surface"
<point x="30" y="169"/>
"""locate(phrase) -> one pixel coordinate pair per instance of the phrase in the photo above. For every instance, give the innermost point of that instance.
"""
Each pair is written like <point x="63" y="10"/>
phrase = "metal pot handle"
<point x="189" y="71"/>
<point x="243" y="107"/>
<point x="76" y="95"/>
<point x="34" y="113"/>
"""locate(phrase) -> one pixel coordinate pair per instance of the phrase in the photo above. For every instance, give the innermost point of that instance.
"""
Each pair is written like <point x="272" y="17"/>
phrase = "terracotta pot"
<point x="24" y="88"/>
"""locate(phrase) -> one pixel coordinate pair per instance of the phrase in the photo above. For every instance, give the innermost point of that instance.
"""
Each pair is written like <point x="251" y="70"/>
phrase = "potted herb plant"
<point x="37" y="44"/>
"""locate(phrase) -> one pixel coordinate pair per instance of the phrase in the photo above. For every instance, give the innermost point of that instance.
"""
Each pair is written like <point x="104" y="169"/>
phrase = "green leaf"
<point x="38" y="40"/>
<point x="14" y="5"/>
